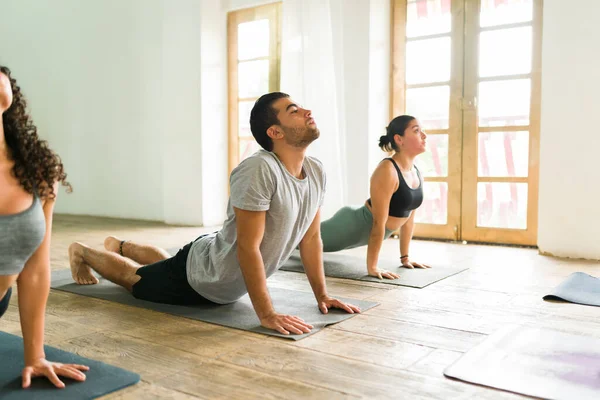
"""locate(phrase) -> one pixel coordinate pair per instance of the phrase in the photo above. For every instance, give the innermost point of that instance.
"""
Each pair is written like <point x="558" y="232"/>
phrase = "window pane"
<point x="499" y="12"/>
<point x="427" y="17"/>
<point x="504" y="103"/>
<point x="429" y="105"/>
<point x="247" y="148"/>
<point x="505" y="52"/>
<point x="434" y="209"/>
<point x="428" y="60"/>
<point x="253" y="78"/>
<point x="253" y="39"/>
<point x="503" y="154"/>
<point x="434" y="162"/>
<point x="244" y="108"/>
<point x="502" y="205"/>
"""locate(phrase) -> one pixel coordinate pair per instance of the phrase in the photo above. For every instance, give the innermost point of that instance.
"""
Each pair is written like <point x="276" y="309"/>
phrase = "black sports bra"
<point x="405" y="199"/>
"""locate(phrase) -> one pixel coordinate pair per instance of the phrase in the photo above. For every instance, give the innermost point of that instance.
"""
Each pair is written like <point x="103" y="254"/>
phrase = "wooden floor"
<point x="396" y="350"/>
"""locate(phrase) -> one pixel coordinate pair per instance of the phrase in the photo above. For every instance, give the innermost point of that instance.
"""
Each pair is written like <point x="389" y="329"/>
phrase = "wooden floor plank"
<point x="427" y="335"/>
<point x="227" y="381"/>
<point x="145" y="390"/>
<point x="363" y="348"/>
<point x="342" y="374"/>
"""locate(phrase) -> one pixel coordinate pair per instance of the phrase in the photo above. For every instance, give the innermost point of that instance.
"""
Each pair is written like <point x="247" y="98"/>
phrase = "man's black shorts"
<point x="166" y="281"/>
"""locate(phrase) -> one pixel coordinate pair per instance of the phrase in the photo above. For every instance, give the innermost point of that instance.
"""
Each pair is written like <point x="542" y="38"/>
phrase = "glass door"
<point x="469" y="70"/>
<point x="428" y="81"/>
<point x="501" y="129"/>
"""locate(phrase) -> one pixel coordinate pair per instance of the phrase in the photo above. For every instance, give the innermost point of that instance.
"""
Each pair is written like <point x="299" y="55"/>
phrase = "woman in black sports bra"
<point x="396" y="191"/>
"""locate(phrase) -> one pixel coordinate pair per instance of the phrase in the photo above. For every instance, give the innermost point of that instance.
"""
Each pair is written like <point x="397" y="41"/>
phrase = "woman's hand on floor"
<point x="381" y="274"/>
<point x="52" y="370"/>
<point x="326" y="302"/>
<point x="412" y="264"/>
<point x="285" y="324"/>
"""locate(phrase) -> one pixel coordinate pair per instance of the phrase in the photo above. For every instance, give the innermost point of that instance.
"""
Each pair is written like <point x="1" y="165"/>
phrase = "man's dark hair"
<point x="263" y="116"/>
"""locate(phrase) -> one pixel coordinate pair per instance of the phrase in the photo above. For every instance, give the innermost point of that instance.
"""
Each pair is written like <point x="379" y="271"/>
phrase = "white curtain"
<point x="309" y="61"/>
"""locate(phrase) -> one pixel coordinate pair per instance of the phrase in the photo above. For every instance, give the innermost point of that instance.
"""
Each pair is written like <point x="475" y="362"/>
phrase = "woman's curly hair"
<point x="36" y="166"/>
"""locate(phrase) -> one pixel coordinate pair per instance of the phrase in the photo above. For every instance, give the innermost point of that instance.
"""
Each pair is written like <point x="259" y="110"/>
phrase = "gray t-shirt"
<point x="260" y="183"/>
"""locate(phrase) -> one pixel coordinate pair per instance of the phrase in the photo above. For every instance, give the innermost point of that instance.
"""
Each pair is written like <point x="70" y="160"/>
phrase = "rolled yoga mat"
<point x="535" y="362"/>
<point x="239" y="315"/>
<point x="350" y="267"/>
<point x="578" y="288"/>
<point x="101" y="379"/>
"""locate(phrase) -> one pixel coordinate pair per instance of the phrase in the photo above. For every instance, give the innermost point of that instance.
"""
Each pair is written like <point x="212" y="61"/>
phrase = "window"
<point x="470" y="71"/>
<point x="254" y="46"/>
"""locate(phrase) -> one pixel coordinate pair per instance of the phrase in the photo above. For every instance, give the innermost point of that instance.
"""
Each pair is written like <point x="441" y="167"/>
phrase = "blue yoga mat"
<point x="101" y="379"/>
<point x="578" y="288"/>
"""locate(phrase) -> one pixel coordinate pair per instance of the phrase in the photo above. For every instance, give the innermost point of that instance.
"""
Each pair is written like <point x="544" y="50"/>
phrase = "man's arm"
<point x="311" y="252"/>
<point x="250" y="231"/>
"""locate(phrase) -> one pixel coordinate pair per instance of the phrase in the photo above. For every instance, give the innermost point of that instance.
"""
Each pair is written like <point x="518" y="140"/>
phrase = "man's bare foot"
<point x="80" y="271"/>
<point x="112" y="243"/>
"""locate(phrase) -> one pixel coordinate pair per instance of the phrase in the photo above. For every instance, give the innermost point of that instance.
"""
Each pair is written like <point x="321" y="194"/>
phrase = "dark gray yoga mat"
<point x="239" y="315"/>
<point x="535" y="362"/>
<point x="578" y="288"/>
<point x="350" y="267"/>
<point x="101" y="379"/>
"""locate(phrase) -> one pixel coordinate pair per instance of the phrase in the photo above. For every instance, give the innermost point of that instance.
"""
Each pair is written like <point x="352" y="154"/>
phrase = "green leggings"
<point x="350" y="227"/>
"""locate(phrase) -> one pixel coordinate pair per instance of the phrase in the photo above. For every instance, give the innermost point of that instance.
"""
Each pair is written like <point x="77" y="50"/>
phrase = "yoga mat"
<point x="101" y="379"/>
<point x="578" y="288"/>
<point x="239" y="315"/>
<point x="534" y="362"/>
<point x="345" y="266"/>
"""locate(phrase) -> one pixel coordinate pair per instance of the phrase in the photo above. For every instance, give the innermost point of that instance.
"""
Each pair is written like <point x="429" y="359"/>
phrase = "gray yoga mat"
<point x="101" y="379"/>
<point x="578" y="288"/>
<point x="239" y="315"/>
<point x="535" y="362"/>
<point x="345" y="266"/>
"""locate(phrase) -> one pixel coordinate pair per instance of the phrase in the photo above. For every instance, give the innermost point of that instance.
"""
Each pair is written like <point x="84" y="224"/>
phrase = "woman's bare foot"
<point x="112" y="243"/>
<point x="80" y="271"/>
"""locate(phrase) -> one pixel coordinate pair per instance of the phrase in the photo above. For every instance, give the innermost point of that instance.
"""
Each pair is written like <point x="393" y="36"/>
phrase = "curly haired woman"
<point x="29" y="177"/>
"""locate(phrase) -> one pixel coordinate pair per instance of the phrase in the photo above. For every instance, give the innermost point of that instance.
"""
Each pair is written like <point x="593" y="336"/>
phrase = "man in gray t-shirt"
<point x="286" y="207"/>
<point x="274" y="208"/>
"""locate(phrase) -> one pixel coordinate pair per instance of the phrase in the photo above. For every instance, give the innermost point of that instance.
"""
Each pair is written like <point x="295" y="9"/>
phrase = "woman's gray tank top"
<point x="20" y="236"/>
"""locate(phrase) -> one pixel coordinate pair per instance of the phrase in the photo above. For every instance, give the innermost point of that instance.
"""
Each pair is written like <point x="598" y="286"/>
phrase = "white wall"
<point x="569" y="215"/>
<point x="181" y="80"/>
<point x="92" y="74"/>
<point x="379" y="79"/>
<point x="364" y="42"/>
<point x="116" y="88"/>
<point x="353" y="16"/>
<point x="232" y="5"/>
<point x="214" y="114"/>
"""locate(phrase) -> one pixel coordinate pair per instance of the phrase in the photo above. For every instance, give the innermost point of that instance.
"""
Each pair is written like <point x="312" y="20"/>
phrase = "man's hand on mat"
<point x="326" y="302"/>
<point x="383" y="274"/>
<point x="412" y="264"/>
<point x="51" y="370"/>
<point x="285" y="324"/>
